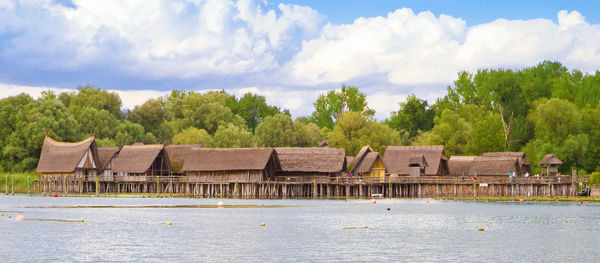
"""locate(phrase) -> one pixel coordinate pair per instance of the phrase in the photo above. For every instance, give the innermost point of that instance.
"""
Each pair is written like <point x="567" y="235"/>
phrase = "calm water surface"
<point x="412" y="231"/>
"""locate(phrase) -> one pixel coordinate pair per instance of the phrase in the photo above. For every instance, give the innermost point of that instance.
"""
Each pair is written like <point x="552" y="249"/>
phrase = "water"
<point x="412" y="231"/>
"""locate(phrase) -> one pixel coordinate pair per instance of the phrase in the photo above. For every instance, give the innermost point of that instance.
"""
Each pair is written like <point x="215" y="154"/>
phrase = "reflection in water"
<point x="295" y="230"/>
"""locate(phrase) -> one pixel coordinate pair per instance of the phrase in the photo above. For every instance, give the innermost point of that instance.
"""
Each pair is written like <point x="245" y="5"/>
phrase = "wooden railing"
<point x="436" y="180"/>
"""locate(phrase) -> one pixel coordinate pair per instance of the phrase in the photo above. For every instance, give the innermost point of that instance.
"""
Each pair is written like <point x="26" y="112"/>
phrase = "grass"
<point x="527" y="198"/>
<point x="20" y="181"/>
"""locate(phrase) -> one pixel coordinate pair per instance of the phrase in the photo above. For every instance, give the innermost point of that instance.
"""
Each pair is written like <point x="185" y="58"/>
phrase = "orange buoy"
<point x="373" y="201"/>
<point x="521" y="200"/>
<point x="55" y="195"/>
<point x="20" y="218"/>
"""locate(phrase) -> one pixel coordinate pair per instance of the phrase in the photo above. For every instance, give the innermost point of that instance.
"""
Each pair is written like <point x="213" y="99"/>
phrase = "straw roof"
<point x="312" y="159"/>
<point x="349" y="160"/>
<point x="193" y="158"/>
<point x="367" y="162"/>
<point x="358" y="158"/>
<point x="459" y="164"/>
<point x="550" y="159"/>
<point x="324" y="143"/>
<point x="494" y="165"/>
<point x="520" y="155"/>
<point x="63" y="157"/>
<point x="136" y="158"/>
<point x="418" y="161"/>
<point x="396" y="158"/>
<point x="105" y="154"/>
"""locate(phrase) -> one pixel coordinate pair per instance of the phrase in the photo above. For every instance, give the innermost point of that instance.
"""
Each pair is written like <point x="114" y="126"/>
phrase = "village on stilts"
<point x="294" y="172"/>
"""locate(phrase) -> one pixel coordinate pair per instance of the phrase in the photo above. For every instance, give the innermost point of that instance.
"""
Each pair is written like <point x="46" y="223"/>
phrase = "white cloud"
<point x="409" y="48"/>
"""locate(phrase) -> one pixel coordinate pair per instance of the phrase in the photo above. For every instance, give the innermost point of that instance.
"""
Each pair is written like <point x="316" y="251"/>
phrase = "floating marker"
<point x="262" y="224"/>
<point x="20" y="218"/>
<point x="521" y="200"/>
<point x="389" y="209"/>
<point x="580" y="203"/>
<point x="9" y="216"/>
<point x="480" y="229"/>
<point x="373" y="201"/>
<point x="169" y="223"/>
<point x="220" y="204"/>
<point x="55" y="195"/>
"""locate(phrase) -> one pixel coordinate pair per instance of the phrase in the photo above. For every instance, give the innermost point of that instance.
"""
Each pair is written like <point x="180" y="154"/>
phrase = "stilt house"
<point x="311" y="164"/>
<point x="368" y="165"/>
<point x="65" y="158"/>
<point x="142" y="160"/>
<point x="524" y="165"/>
<point x="550" y="164"/>
<point x="106" y="158"/>
<point x="227" y="165"/>
<point x="397" y="160"/>
<point x="484" y="166"/>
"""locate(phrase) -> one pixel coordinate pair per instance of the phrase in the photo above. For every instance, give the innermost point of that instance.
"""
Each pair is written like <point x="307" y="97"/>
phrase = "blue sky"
<point x="288" y="51"/>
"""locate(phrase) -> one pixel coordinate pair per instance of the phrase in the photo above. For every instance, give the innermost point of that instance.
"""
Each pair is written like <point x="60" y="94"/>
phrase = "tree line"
<point x="538" y="110"/>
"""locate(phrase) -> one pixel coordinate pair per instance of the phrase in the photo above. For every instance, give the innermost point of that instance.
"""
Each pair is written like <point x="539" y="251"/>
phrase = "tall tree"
<point x="330" y="106"/>
<point x="413" y="116"/>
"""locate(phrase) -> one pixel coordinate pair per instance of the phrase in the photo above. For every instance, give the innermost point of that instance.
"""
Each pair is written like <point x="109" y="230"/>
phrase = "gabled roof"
<point x="417" y="160"/>
<point x="396" y="158"/>
<point x="191" y="158"/>
<point x="550" y="159"/>
<point x="136" y="158"/>
<point x="358" y="158"/>
<point x="63" y="157"/>
<point x="459" y="164"/>
<point x="312" y="159"/>
<point x="349" y="160"/>
<point x="105" y="154"/>
<point x="520" y="155"/>
<point x="367" y="163"/>
<point x="494" y="165"/>
<point x="324" y="143"/>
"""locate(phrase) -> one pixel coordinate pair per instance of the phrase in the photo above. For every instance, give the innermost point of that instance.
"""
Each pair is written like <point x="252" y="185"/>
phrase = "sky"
<point x="288" y="51"/>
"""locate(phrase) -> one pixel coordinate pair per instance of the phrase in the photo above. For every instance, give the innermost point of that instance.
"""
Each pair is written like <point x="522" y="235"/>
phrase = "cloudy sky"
<point x="288" y="51"/>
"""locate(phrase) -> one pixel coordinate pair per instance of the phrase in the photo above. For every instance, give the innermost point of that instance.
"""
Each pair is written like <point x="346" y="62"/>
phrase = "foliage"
<point x="414" y="116"/>
<point x="595" y="178"/>
<point x="193" y="135"/>
<point x="232" y="136"/>
<point x="330" y="106"/>
<point x="354" y="130"/>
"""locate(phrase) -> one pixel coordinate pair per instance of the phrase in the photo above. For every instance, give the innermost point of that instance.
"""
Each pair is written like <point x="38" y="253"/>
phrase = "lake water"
<point x="413" y="230"/>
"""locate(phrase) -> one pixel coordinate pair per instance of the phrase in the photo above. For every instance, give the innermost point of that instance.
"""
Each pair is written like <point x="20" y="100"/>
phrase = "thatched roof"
<point x="418" y="161"/>
<point x="494" y="166"/>
<point x="367" y="163"/>
<point x="105" y="154"/>
<point x="64" y="157"/>
<point x="312" y="159"/>
<point x="520" y="155"/>
<point x="460" y="164"/>
<point x="136" y="158"/>
<point x="324" y="143"/>
<point x="194" y="158"/>
<point x="349" y="160"/>
<point x="396" y="158"/>
<point x="550" y="159"/>
<point x="358" y="158"/>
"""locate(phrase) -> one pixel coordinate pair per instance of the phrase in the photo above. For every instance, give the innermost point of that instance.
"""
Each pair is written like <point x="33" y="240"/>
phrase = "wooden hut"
<point x="324" y="143"/>
<point x="417" y="164"/>
<point x="224" y="165"/>
<point x="550" y="164"/>
<point x="459" y="165"/>
<point x="499" y="167"/>
<point x="368" y="165"/>
<point x="311" y="163"/>
<point x="106" y="158"/>
<point x="142" y="160"/>
<point x="524" y="165"/>
<point x="397" y="159"/>
<point x="64" y="158"/>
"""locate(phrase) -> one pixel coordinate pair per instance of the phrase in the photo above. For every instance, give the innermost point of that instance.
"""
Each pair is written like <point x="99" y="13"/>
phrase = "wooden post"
<point x="474" y="188"/>
<point x="28" y="185"/>
<point x="97" y="186"/>
<point x="157" y="186"/>
<point x="6" y="183"/>
<point x="13" y="185"/>
<point x="314" y="189"/>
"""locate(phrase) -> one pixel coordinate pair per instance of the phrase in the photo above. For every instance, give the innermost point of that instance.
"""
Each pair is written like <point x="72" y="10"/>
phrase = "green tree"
<point x="354" y="130"/>
<point x="330" y="106"/>
<point x="414" y="116"/>
<point x="129" y="133"/>
<point x="276" y="131"/>
<point x="252" y="108"/>
<point x="193" y="135"/>
<point x="231" y="136"/>
<point x="449" y="130"/>
<point x="90" y="97"/>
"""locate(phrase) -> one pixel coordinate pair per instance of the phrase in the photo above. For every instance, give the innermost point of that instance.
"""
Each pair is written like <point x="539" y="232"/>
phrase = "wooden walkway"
<point x="426" y="186"/>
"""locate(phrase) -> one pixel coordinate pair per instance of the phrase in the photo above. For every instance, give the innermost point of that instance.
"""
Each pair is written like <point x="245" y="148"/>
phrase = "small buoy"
<point x="521" y="200"/>
<point x="20" y="218"/>
<point x="373" y="201"/>
<point x="262" y="224"/>
<point x="169" y="223"/>
<point x="81" y="221"/>
<point x="55" y="195"/>
<point x="1" y="214"/>
<point x="389" y="209"/>
<point x="580" y="203"/>
<point x="220" y="204"/>
<point x="365" y="227"/>
<point x="9" y="216"/>
<point x="480" y="229"/>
